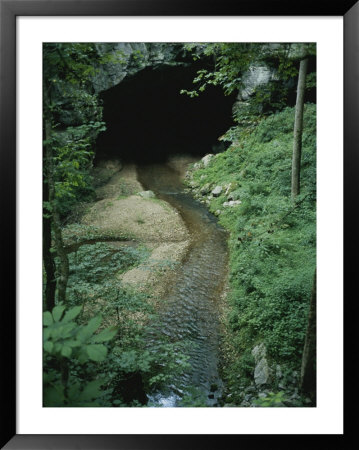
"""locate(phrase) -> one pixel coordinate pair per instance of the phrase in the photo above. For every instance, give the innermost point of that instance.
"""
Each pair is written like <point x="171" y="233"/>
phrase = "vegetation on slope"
<point x="96" y="349"/>
<point x="272" y="242"/>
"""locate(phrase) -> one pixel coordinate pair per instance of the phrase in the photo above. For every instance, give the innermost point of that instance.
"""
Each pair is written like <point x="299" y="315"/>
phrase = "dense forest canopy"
<point x="260" y="182"/>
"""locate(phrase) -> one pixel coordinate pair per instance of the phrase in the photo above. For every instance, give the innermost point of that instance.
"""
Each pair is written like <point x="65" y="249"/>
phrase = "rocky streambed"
<point x="186" y="269"/>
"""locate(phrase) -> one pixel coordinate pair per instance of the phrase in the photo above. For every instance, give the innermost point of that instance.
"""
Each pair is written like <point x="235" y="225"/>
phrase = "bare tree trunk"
<point x="63" y="268"/>
<point x="298" y="128"/>
<point x="308" y="372"/>
<point x="49" y="263"/>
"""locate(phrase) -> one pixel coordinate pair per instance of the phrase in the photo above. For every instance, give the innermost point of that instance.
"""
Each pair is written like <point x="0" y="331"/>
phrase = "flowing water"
<point x="191" y="308"/>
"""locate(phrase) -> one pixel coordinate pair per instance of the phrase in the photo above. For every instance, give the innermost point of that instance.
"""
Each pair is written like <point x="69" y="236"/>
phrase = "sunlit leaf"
<point x="105" y="335"/>
<point x="57" y="312"/>
<point x="72" y="313"/>
<point x="96" y="352"/>
<point x="47" y="318"/>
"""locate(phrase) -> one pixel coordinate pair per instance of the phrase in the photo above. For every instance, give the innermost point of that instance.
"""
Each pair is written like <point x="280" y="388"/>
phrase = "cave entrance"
<point x="148" y="119"/>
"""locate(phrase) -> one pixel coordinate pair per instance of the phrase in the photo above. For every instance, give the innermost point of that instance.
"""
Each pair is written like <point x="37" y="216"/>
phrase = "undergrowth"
<point x="96" y="350"/>
<point x="272" y="241"/>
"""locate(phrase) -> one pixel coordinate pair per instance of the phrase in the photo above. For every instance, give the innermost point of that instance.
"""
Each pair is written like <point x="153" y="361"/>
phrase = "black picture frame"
<point x="9" y="10"/>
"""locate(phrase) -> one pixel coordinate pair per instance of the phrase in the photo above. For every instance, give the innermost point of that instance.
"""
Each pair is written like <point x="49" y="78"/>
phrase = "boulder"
<point x="217" y="191"/>
<point x="233" y="196"/>
<point x="228" y="187"/>
<point x="206" y="159"/>
<point x="147" y="194"/>
<point x="232" y="203"/>
<point x="250" y="389"/>
<point x="245" y="404"/>
<point x="262" y="373"/>
<point x="205" y="189"/>
<point x="259" y="352"/>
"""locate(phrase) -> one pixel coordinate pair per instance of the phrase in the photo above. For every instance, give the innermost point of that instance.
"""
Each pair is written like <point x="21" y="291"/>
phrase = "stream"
<point x="191" y="307"/>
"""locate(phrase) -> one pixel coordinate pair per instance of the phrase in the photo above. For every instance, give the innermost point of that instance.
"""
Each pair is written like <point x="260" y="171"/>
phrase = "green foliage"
<point x="63" y="337"/>
<point x="68" y="346"/>
<point x="93" y="285"/>
<point x="272" y="241"/>
<point x="231" y="63"/>
<point x="156" y="366"/>
<point x="271" y="400"/>
<point x="93" y="274"/>
<point x="76" y="394"/>
<point x="75" y="116"/>
<point x="193" y="398"/>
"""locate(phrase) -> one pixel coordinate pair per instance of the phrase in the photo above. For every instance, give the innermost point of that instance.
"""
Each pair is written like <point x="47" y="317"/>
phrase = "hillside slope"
<point x="272" y="253"/>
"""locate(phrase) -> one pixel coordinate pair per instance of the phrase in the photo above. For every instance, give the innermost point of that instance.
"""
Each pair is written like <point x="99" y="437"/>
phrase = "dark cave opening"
<point x="148" y="120"/>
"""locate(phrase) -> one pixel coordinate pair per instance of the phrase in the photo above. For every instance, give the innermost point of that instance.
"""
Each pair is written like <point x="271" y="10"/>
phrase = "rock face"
<point x="262" y="374"/>
<point x="123" y="59"/>
<point x="120" y="60"/>
<point x="255" y="76"/>
<point x="127" y="58"/>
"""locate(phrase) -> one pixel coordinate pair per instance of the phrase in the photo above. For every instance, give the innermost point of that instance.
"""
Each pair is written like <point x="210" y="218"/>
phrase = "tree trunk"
<point x="298" y="128"/>
<point x="308" y="372"/>
<point x="49" y="263"/>
<point x="63" y="269"/>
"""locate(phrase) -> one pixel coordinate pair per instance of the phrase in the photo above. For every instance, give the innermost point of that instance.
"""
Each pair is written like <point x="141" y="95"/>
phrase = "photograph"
<point x="178" y="179"/>
<point x="179" y="184"/>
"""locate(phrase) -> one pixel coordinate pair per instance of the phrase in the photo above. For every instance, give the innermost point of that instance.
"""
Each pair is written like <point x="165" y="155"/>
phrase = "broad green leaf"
<point x="96" y="352"/>
<point x="48" y="346"/>
<point x="57" y="347"/>
<point x="66" y="351"/>
<point x="72" y="313"/>
<point x="105" y="335"/>
<point x="83" y="356"/>
<point x="56" y="330"/>
<point x="46" y="333"/>
<point x="47" y="318"/>
<point x="54" y="396"/>
<point x="57" y="312"/>
<point x="91" y="391"/>
<point x="73" y="343"/>
<point x="87" y="331"/>
<point x="73" y="391"/>
<point x="66" y="330"/>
